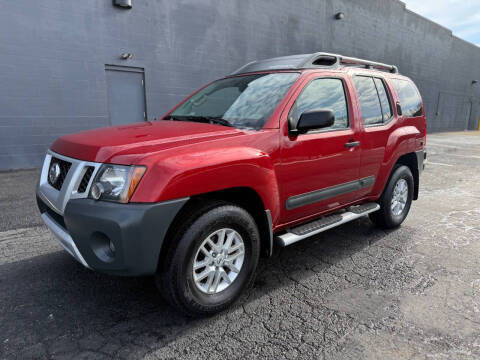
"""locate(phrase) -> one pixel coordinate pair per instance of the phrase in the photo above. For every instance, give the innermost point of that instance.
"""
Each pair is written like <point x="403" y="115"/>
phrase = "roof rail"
<point x="368" y="64"/>
<point x="327" y="59"/>
<point x="311" y="61"/>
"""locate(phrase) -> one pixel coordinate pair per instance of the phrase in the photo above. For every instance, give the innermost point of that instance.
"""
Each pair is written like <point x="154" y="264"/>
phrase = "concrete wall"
<point x="53" y="55"/>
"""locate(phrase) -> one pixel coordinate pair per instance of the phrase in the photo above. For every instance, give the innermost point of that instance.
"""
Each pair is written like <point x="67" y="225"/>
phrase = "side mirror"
<point x="314" y="119"/>
<point x="399" y="109"/>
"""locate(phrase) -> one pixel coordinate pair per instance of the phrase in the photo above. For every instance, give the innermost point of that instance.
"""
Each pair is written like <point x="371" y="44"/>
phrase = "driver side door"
<point x="319" y="169"/>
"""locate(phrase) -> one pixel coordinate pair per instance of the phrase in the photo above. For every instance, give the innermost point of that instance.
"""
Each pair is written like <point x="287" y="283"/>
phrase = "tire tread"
<point x="165" y="278"/>
<point x="383" y="218"/>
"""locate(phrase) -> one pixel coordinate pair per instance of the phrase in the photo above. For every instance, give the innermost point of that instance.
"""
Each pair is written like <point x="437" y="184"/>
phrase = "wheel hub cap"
<point x="399" y="197"/>
<point x="218" y="261"/>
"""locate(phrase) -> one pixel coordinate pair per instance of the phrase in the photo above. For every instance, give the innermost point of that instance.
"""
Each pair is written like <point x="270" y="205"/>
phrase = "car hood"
<point x="127" y="144"/>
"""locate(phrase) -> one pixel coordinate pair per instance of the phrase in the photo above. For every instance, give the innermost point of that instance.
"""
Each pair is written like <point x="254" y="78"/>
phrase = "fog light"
<point x="102" y="246"/>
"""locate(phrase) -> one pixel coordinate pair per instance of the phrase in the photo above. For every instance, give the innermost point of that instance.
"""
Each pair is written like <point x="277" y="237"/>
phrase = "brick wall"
<point x="53" y="55"/>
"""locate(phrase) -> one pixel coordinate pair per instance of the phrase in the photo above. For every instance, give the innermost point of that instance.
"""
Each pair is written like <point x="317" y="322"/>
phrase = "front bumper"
<point x="64" y="238"/>
<point x="113" y="238"/>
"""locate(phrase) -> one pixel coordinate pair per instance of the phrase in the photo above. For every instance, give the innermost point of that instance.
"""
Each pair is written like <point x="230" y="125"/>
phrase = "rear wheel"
<point x="396" y="199"/>
<point x="211" y="260"/>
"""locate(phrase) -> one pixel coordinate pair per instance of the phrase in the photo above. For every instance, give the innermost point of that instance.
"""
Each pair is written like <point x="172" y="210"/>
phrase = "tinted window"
<point x="384" y="99"/>
<point x="244" y="101"/>
<point x="409" y="98"/>
<point x="323" y="94"/>
<point x="369" y="101"/>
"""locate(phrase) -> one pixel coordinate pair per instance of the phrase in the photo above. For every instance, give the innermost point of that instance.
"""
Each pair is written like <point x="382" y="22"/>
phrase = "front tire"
<point x="212" y="258"/>
<point x="396" y="199"/>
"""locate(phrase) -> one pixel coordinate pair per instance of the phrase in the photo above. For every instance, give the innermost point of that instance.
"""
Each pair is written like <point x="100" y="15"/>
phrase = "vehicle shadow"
<point x="51" y="305"/>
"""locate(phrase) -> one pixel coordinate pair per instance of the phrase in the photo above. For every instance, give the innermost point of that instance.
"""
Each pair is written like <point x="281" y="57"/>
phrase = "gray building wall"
<point x="53" y="55"/>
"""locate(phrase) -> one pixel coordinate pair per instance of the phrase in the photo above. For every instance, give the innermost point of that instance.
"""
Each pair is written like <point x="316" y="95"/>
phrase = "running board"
<point x="324" y="223"/>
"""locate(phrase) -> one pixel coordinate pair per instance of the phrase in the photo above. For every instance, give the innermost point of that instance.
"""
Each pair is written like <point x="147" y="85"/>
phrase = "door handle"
<point x="352" y="144"/>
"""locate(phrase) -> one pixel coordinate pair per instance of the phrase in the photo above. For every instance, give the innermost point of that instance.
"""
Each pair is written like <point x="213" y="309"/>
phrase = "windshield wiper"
<point x="210" y="119"/>
<point x="220" y="121"/>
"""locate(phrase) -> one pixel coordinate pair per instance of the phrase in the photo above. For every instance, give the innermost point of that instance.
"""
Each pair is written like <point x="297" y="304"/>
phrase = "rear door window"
<point x="410" y="100"/>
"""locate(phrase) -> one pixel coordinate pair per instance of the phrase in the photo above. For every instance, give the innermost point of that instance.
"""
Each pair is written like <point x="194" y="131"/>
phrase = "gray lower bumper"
<point x="63" y="238"/>
<point x="113" y="238"/>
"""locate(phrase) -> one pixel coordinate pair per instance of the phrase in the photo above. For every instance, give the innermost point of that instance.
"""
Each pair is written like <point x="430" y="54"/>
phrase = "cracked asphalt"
<point x="354" y="292"/>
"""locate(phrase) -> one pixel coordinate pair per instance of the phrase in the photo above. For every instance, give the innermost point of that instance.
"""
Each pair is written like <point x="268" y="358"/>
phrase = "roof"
<point x="312" y="61"/>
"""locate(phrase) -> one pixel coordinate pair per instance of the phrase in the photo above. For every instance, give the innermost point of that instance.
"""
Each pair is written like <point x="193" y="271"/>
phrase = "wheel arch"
<point x="245" y="197"/>
<point x="410" y="160"/>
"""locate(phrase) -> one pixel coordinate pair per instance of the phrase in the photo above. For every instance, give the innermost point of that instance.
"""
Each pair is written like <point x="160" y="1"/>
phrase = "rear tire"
<point x="205" y="270"/>
<point x="396" y="199"/>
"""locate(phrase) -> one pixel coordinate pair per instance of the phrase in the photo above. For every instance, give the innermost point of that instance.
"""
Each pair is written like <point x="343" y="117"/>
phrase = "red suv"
<point x="280" y="150"/>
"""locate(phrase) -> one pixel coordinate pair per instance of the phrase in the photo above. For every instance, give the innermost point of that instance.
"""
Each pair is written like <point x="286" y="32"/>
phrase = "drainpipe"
<point x="475" y="98"/>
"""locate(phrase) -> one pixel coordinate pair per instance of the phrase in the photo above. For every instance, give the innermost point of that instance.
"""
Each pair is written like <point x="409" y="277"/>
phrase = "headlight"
<point x="116" y="182"/>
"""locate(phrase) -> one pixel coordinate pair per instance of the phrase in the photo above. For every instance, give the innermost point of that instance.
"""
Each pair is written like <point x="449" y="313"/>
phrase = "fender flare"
<point x="401" y="141"/>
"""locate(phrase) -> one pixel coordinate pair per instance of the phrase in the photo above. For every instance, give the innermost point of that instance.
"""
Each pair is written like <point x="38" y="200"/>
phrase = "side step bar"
<point x="324" y="223"/>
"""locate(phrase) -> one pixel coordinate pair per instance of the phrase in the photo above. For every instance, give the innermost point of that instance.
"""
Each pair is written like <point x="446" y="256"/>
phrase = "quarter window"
<point x="409" y="98"/>
<point x="369" y="100"/>
<point x="323" y="94"/>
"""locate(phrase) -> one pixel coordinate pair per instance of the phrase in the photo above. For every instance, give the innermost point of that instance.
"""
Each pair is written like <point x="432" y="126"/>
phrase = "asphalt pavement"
<point x="354" y="292"/>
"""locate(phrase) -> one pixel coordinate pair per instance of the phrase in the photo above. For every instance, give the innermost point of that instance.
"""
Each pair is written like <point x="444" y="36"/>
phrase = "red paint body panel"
<point x="316" y="161"/>
<point x="130" y="144"/>
<point x="187" y="158"/>
<point x="246" y="160"/>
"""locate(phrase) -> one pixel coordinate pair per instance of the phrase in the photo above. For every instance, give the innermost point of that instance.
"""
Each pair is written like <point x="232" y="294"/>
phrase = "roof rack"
<point x="312" y="61"/>
<point x="368" y="64"/>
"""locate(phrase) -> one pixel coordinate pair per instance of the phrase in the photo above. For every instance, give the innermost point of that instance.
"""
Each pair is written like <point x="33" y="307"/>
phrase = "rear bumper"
<point x="421" y="159"/>
<point x="118" y="239"/>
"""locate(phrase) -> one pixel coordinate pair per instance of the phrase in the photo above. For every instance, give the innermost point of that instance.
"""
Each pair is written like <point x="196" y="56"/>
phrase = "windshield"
<point x="242" y="101"/>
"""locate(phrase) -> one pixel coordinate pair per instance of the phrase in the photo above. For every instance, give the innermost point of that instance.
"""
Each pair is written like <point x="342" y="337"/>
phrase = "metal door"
<point x="126" y="94"/>
<point x="453" y="111"/>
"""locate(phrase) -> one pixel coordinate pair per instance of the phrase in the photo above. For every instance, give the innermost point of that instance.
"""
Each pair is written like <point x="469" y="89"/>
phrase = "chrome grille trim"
<point x="58" y="199"/>
<point x="64" y="169"/>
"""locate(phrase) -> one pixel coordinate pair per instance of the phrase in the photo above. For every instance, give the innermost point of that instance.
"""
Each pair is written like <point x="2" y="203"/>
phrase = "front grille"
<point x="85" y="179"/>
<point x="64" y="167"/>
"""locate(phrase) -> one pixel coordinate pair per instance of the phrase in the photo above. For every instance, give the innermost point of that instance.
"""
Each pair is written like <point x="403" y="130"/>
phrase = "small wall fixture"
<point x="126" y="56"/>
<point x="339" y="16"/>
<point x="126" y="4"/>
<point x="476" y="89"/>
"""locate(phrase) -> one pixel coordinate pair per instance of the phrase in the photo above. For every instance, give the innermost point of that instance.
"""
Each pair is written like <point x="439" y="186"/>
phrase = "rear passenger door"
<point x="377" y="119"/>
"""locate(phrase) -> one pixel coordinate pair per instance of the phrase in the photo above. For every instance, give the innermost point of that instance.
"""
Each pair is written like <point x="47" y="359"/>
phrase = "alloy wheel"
<point x="218" y="261"/>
